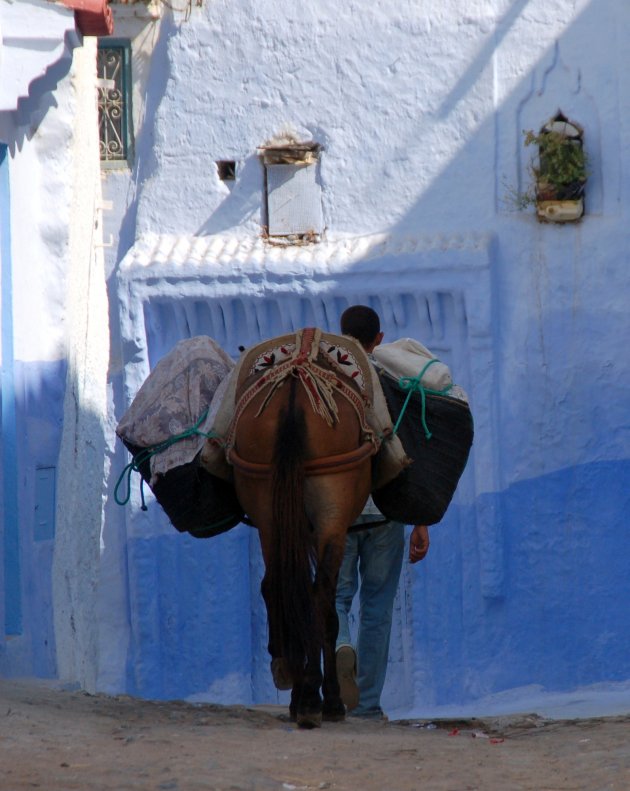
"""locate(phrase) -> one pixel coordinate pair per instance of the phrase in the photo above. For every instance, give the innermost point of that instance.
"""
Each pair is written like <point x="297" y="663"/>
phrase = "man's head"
<point x="362" y="323"/>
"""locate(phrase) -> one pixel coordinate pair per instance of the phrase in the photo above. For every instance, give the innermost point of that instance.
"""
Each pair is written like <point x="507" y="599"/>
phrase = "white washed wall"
<point x="420" y="113"/>
<point x="55" y="344"/>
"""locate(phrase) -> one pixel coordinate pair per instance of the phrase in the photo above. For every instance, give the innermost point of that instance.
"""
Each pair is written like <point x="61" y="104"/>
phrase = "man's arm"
<point x="418" y="543"/>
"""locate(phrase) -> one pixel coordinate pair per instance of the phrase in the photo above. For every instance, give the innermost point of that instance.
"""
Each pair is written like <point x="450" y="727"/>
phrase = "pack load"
<point x="329" y="357"/>
<point x="435" y="425"/>
<point x="165" y="428"/>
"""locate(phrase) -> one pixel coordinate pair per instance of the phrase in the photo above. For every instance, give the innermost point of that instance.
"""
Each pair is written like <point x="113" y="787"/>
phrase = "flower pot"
<point x="559" y="210"/>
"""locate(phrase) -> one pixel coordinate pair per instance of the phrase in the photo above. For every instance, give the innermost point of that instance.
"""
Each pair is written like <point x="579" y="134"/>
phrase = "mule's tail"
<point x="293" y="555"/>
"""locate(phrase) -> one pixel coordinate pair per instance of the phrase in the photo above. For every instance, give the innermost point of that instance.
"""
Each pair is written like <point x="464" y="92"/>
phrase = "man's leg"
<point x="381" y="554"/>
<point x="347" y="585"/>
<point x="346" y="589"/>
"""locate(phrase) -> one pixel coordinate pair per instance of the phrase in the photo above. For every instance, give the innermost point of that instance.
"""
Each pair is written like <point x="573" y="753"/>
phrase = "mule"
<point x="302" y="472"/>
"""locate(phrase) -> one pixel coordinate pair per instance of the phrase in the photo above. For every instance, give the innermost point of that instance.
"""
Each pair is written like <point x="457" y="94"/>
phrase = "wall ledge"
<point x="231" y="254"/>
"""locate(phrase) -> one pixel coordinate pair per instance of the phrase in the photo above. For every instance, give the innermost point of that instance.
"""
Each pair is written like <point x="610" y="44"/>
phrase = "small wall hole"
<point x="227" y="169"/>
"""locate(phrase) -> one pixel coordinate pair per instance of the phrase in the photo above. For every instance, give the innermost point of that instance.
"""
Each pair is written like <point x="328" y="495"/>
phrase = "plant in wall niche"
<point x="559" y="171"/>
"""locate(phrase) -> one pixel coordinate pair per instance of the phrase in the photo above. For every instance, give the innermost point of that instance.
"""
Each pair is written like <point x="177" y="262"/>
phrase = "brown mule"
<point x="302" y="472"/>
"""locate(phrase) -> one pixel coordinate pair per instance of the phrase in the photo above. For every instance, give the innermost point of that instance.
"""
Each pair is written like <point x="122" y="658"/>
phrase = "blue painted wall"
<point x="32" y="415"/>
<point x="11" y="543"/>
<point x="526" y="580"/>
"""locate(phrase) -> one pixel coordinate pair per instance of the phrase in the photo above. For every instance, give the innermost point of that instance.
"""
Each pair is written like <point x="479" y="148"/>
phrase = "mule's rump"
<point x="302" y="472"/>
<point x="328" y="366"/>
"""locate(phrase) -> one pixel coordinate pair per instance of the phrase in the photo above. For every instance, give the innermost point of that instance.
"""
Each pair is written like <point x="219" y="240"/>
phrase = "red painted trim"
<point x="93" y="17"/>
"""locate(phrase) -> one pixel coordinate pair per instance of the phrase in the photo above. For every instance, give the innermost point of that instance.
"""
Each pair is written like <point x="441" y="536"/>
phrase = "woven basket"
<point x="195" y="501"/>
<point x="422" y="492"/>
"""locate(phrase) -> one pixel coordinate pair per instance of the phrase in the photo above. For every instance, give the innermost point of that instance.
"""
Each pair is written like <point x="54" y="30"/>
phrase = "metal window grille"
<point x="114" y="101"/>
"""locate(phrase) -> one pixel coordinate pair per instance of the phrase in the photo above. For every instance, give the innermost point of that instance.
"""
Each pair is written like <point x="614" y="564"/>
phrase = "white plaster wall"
<point x="393" y="93"/>
<point x="40" y="238"/>
<point x="82" y="456"/>
<point x="420" y="111"/>
<point x="34" y="35"/>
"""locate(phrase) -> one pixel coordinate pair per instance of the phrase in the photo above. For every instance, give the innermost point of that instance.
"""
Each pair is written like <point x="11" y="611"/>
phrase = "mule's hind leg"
<point x="308" y="703"/>
<point x="325" y="587"/>
<point x="280" y="671"/>
<point x="305" y="709"/>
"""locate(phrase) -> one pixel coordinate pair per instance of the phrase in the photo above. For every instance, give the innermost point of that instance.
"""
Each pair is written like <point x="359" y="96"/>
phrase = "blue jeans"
<point x="376" y="556"/>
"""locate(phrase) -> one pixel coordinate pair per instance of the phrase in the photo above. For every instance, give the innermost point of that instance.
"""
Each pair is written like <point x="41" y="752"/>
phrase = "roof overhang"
<point x="37" y="35"/>
<point x="93" y="17"/>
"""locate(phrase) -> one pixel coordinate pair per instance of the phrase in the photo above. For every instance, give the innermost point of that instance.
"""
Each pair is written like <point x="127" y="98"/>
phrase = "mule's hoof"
<point x="310" y="721"/>
<point x="334" y="713"/>
<point x="280" y="673"/>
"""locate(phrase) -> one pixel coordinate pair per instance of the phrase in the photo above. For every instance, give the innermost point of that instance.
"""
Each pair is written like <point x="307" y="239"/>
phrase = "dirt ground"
<point x="58" y="740"/>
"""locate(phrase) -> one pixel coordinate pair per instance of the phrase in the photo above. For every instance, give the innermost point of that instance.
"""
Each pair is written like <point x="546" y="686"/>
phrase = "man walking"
<point x="375" y="556"/>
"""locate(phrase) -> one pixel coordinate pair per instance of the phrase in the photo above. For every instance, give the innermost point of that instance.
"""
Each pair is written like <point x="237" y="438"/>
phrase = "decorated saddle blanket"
<point x="325" y="364"/>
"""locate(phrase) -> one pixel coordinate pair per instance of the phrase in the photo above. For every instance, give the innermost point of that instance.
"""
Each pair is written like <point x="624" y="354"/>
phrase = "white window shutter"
<point x="294" y="200"/>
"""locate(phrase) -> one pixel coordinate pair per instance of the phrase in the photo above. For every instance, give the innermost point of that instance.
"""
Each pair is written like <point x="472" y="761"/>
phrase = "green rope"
<point x="146" y="453"/>
<point x="414" y="384"/>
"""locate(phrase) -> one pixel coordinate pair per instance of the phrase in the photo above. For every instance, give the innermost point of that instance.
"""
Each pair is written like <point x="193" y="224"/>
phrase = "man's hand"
<point x="418" y="543"/>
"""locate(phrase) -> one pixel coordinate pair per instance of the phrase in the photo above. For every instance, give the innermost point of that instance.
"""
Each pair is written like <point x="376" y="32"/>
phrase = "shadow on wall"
<point x="78" y="540"/>
<point x="144" y="165"/>
<point x="493" y="161"/>
<point x="242" y="203"/>
<point x="32" y="109"/>
<point x="145" y="159"/>
<point x="467" y="82"/>
<point x="30" y="519"/>
<point x="563" y="491"/>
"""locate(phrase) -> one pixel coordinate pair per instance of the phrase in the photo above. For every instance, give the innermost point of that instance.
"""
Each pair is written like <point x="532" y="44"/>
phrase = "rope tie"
<point x="147" y="453"/>
<point x="413" y="384"/>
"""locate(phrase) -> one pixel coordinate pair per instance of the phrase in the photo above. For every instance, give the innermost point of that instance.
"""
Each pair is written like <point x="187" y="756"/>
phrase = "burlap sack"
<point x="165" y="428"/>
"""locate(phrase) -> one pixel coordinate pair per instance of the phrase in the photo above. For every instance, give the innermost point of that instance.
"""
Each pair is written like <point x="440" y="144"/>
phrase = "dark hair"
<point x="361" y="322"/>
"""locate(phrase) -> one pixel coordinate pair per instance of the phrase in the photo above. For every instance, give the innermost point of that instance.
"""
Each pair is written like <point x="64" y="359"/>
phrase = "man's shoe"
<point x="347" y="676"/>
<point x="376" y="715"/>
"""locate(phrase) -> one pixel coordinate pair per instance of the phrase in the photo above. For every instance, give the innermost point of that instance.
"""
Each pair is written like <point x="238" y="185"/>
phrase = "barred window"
<point x="114" y="101"/>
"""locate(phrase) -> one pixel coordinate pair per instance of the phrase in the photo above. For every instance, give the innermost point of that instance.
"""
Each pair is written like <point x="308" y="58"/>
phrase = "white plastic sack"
<point x="407" y="357"/>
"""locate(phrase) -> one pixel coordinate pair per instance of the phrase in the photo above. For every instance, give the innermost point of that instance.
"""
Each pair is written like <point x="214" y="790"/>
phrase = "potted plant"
<point x="559" y="170"/>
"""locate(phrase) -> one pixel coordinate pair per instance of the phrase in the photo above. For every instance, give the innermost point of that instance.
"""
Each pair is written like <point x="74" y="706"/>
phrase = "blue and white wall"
<point x="420" y="115"/>
<point x="54" y="335"/>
